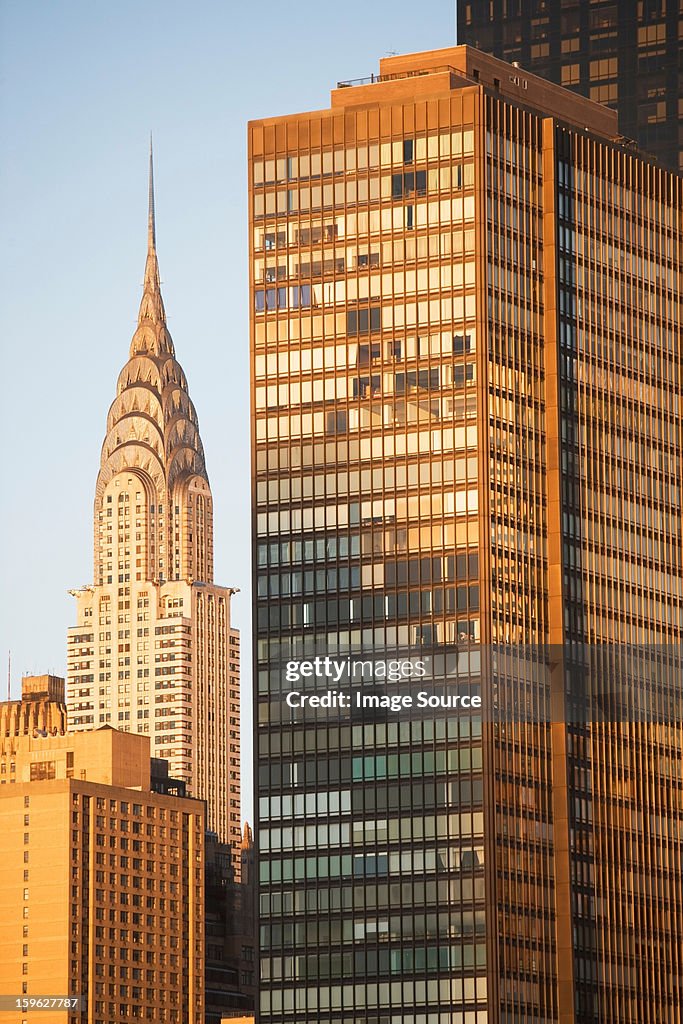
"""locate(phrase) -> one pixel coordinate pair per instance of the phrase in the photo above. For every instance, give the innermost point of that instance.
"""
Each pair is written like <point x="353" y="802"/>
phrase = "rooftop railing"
<point x="372" y="79"/>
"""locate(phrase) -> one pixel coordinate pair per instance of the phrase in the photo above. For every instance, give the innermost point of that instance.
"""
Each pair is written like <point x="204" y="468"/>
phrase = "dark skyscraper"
<point x="625" y="54"/>
<point x="466" y="450"/>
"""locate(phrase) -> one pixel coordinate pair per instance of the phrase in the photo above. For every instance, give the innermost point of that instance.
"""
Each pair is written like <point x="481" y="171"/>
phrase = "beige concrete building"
<point x="102" y="881"/>
<point x="153" y="650"/>
<point x="41" y="708"/>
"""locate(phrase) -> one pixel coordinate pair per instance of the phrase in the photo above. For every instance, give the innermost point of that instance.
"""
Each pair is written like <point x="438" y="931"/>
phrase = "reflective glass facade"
<point x="455" y="453"/>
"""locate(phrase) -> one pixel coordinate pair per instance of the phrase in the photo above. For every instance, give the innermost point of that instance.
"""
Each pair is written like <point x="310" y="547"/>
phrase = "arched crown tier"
<point x="153" y="434"/>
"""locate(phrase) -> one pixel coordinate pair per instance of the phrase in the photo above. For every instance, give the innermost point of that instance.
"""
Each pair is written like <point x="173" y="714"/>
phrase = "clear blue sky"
<point x="81" y="86"/>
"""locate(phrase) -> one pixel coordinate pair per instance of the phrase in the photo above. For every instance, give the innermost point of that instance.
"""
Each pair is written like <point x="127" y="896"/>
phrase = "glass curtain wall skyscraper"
<point x="466" y="443"/>
<point x="627" y="55"/>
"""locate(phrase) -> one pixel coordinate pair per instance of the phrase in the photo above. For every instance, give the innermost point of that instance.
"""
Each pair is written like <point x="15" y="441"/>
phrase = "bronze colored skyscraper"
<point x="467" y="443"/>
<point x="627" y="54"/>
<point x="154" y="651"/>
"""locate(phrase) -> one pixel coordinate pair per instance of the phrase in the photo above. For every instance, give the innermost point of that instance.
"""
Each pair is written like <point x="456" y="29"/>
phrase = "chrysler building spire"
<point x="151" y="227"/>
<point x="152" y="312"/>
<point x="152" y="429"/>
<point x="153" y="628"/>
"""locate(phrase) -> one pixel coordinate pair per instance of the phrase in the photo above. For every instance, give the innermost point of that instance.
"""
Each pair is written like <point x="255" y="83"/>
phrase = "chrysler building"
<point x="154" y="651"/>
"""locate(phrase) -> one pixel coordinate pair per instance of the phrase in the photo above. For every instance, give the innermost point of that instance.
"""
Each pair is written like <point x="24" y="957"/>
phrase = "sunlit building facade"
<point x="102" y="886"/>
<point x="466" y="438"/>
<point x="627" y="55"/>
<point x="40" y="709"/>
<point x="154" y="650"/>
